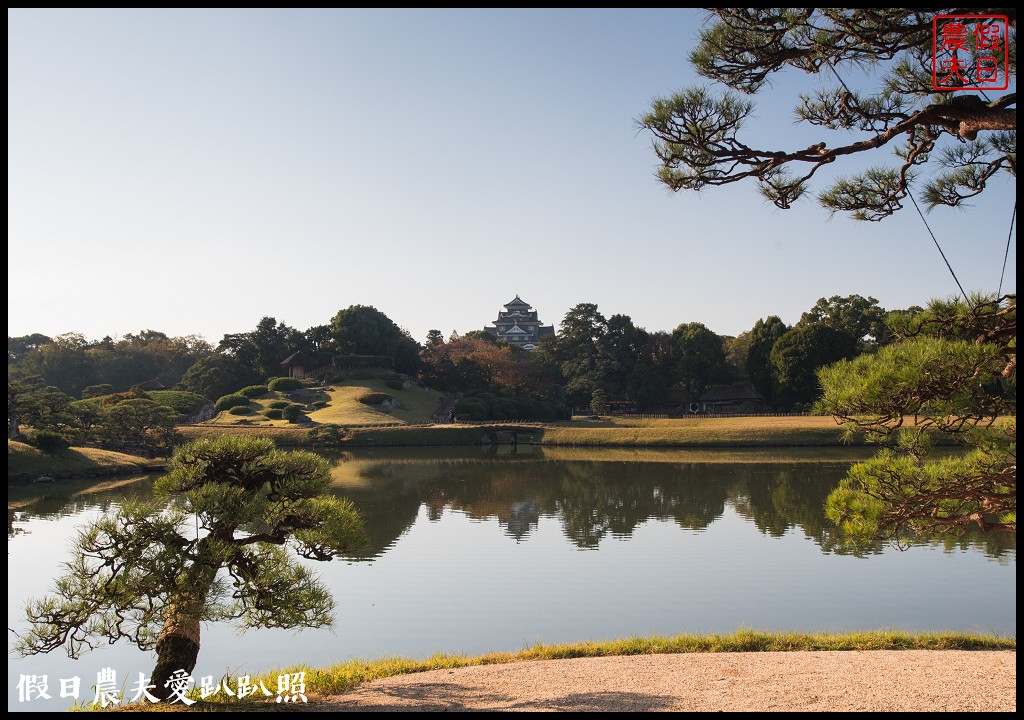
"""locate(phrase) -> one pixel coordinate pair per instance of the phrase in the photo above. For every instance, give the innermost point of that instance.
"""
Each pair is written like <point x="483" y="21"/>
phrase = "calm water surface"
<point x="474" y="550"/>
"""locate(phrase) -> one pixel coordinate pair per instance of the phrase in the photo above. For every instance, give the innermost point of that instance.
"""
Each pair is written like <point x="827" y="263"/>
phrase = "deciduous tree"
<point x="216" y="375"/>
<point x="19" y="347"/>
<point x="700" y="361"/>
<point x="760" y="370"/>
<point x="798" y="354"/>
<point x="365" y="330"/>
<point x="619" y="352"/>
<point x="263" y="349"/>
<point x="861" y="318"/>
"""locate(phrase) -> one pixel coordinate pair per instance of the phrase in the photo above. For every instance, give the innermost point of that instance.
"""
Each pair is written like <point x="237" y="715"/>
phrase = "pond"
<point x="475" y="550"/>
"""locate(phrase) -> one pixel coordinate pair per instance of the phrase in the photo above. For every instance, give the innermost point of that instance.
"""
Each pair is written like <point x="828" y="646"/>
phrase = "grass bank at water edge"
<point x="337" y="679"/>
<point x="25" y="462"/>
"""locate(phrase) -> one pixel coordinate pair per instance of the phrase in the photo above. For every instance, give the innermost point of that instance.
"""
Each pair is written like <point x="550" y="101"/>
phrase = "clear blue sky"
<point x="191" y="171"/>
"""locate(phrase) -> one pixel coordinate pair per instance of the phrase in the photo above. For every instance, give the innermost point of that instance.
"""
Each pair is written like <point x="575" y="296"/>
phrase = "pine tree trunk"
<point x="176" y="649"/>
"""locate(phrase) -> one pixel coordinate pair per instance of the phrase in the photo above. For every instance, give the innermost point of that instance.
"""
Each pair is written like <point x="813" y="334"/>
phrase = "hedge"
<point x="182" y="402"/>
<point x="252" y="391"/>
<point x="374" y="398"/>
<point x="226" y="402"/>
<point x="292" y="413"/>
<point x="284" y="383"/>
<point x="48" y="442"/>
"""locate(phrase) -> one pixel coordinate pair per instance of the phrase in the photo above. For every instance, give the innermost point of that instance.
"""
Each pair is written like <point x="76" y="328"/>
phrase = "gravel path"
<point x="882" y="680"/>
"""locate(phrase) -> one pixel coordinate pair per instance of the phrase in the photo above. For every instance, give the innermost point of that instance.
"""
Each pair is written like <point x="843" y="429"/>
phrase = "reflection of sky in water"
<point x="477" y="554"/>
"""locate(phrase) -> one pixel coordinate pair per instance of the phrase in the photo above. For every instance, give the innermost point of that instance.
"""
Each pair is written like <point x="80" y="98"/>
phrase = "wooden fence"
<point x="206" y="412"/>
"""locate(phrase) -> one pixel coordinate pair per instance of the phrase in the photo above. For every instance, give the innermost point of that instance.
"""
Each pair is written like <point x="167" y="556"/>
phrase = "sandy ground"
<point x="887" y="680"/>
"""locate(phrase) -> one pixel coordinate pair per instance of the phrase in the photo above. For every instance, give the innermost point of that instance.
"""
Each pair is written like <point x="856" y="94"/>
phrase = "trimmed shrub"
<point x="240" y="410"/>
<point x="274" y="413"/>
<point x="284" y="383"/>
<point x="252" y="391"/>
<point x="504" y="409"/>
<point x="226" y="402"/>
<point x="471" y="409"/>
<point x="48" y="442"/>
<point x="182" y="402"/>
<point x="374" y="398"/>
<point x="327" y="434"/>
<point x="320" y="404"/>
<point x="526" y="409"/>
<point x="395" y="384"/>
<point x="278" y="404"/>
<point x="97" y="390"/>
<point x="292" y="413"/>
<point x="115" y="398"/>
<point x="545" y="411"/>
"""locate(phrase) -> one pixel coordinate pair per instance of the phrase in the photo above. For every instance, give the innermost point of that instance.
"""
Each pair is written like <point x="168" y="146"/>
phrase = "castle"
<point x="518" y="325"/>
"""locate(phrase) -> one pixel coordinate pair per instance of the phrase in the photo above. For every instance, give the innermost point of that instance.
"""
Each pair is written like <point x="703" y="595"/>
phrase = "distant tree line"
<point x="65" y="383"/>
<point x="595" y="359"/>
<point x="69" y="386"/>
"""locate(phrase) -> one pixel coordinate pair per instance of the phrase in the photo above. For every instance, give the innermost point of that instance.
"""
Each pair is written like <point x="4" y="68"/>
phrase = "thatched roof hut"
<point x="297" y="363"/>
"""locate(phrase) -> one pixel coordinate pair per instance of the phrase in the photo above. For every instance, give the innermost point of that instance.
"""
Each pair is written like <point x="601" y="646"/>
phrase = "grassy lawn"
<point x="25" y="461"/>
<point x="762" y="454"/>
<point x="367" y="426"/>
<point x="739" y="432"/>
<point x="615" y="432"/>
<point x="608" y="432"/>
<point x="697" y="432"/>
<point x="419" y="435"/>
<point x="417" y="406"/>
<point x="281" y="434"/>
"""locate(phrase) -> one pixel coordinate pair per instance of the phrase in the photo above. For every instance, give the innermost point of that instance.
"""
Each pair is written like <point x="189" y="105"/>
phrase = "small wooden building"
<point x="296" y="364"/>
<point x="153" y="384"/>
<point x="738" y="397"/>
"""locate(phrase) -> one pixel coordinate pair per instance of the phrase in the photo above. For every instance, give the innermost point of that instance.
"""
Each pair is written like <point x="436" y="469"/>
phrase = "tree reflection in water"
<point x="594" y="494"/>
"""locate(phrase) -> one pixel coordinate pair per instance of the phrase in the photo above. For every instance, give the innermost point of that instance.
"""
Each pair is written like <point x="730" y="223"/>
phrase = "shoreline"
<point x="740" y="432"/>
